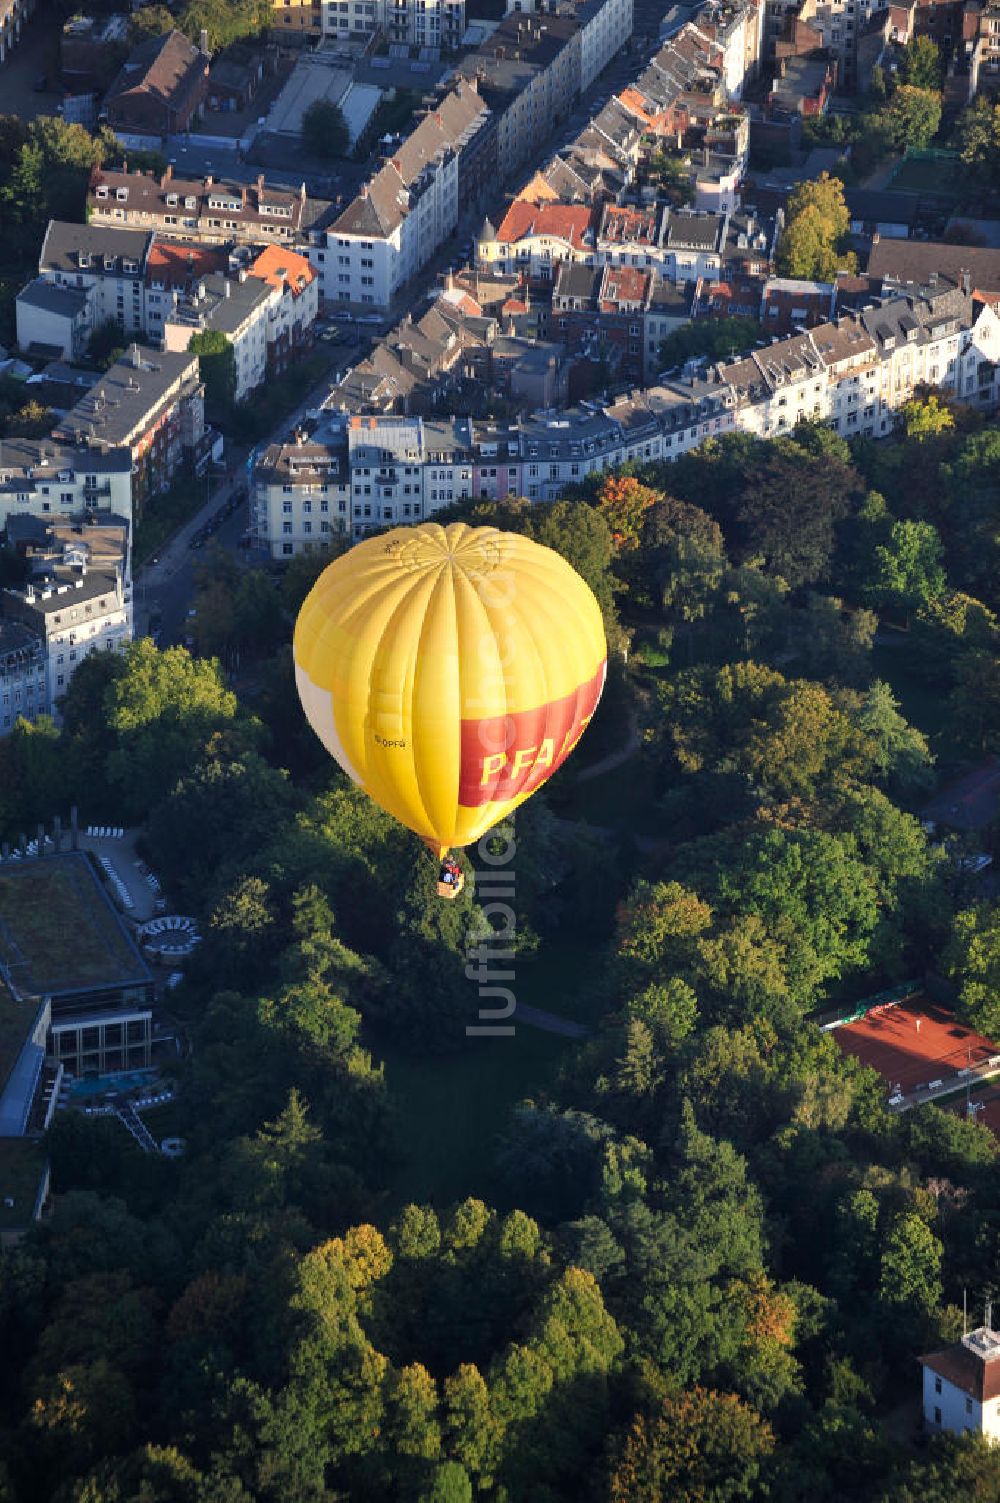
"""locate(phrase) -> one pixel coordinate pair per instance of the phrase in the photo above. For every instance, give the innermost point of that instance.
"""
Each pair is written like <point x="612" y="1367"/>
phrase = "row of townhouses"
<point x="508" y="96"/>
<point x="358" y="473"/>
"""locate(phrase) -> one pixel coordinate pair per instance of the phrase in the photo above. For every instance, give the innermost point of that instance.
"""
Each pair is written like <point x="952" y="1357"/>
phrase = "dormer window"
<point x="121" y="194"/>
<point x="190" y="203"/>
<point x="172" y="200"/>
<point x="101" y="192"/>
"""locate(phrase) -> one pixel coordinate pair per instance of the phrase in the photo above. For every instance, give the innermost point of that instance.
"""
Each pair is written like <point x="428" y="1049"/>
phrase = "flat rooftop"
<point x="59" y="933"/>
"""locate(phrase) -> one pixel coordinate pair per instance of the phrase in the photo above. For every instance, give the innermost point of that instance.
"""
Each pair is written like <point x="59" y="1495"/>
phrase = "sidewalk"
<point x="969" y="1076"/>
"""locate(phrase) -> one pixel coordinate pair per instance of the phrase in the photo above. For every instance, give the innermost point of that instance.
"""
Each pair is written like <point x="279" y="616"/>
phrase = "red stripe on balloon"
<point x="504" y="756"/>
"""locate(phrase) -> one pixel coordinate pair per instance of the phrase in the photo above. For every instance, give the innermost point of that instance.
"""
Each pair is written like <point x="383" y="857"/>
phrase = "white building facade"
<point x="962" y="1386"/>
<point x="854" y="374"/>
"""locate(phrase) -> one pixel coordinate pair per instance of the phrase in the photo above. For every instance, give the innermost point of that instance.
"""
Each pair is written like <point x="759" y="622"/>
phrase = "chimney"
<point x="966" y="283"/>
<point x="260" y="182"/>
<point x="167" y="175"/>
<point x="203" y="40"/>
<point x="243" y="197"/>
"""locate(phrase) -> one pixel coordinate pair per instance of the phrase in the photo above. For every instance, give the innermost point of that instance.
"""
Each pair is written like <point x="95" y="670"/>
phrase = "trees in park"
<point x="697" y="1444"/>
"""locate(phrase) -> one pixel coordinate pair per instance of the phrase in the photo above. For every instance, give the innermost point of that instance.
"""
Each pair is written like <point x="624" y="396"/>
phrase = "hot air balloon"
<point x="450" y="671"/>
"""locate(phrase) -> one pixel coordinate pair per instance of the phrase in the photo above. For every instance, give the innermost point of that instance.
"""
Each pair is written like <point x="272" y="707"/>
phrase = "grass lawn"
<point x="15" y="1020"/>
<point x="57" y="933"/>
<point x="22" y="1162"/>
<point x="940" y="177"/>
<point x="621" y="799"/>
<point x="452" y="1109"/>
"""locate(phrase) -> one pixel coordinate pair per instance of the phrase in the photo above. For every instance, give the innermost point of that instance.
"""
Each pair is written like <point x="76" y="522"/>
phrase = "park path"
<point x="551" y="1022"/>
<point x="615" y="759"/>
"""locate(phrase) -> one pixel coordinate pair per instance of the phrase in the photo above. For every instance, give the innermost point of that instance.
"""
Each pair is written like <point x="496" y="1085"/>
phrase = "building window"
<point x="968" y="1406"/>
<point x="937" y="1415"/>
<point x="937" y="1385"/>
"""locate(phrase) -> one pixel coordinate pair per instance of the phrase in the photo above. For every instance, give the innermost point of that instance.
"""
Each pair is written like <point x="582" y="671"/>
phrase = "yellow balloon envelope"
<point x="450" y="671"/>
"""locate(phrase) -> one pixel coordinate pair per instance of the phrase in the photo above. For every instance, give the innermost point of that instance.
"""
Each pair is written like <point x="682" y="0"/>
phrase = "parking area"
<point x="211" y="525"/>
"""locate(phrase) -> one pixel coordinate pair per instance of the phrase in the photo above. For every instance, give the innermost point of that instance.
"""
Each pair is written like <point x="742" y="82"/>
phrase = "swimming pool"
<point x="119" y="1081"/>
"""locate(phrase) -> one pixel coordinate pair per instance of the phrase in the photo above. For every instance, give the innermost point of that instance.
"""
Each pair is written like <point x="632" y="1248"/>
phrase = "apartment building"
<point x="152" y="405"/>
<point x="22" y="674"/>
<point x="854" y="373"/>
<point x="292" y="314"/>
<point x="43" y="478"/>
<point x="737" y="29"/>
<point x="534" y="238"/>
<point x="239" y="308"/>
<point x="605" y="28"/>
<point x="209" y="210"/>
<point x="106" y="266"/>
<point x="528" y="72"/>
<point x="52" y="319"/>
<point x="77" y="600"/>
<point x="413" y="23"/>
<point x="401" y="216"/>
<point x="301" y="496"/>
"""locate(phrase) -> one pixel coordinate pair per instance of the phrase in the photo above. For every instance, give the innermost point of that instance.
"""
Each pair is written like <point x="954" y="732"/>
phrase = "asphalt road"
<point x="164" y="588"/>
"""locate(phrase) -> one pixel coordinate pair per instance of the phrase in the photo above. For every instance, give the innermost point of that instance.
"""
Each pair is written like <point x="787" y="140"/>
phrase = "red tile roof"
<point x="970" y="1372"/>
<point x="623" y="223"/>
<point x="624" y="284"/>
<point x="176" y="265"/>
<point x="280" y="268"/>
<point x="573" y="223"/>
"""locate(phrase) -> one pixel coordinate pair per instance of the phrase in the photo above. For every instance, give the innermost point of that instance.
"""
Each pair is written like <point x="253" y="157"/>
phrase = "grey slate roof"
<point x="67" y="302"/>
<point x="128" y="396"/>
<point x="104" y="245"/>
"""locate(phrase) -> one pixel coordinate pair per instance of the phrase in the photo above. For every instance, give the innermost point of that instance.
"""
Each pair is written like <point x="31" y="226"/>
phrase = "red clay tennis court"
<point x="914" y="1043"/>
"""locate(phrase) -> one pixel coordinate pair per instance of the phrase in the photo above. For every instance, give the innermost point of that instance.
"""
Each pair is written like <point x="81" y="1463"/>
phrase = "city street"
<point x="164" y="587"/>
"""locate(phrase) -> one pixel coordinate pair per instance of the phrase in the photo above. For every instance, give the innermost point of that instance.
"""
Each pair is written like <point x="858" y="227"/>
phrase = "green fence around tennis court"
<point x="879" y="1002"/>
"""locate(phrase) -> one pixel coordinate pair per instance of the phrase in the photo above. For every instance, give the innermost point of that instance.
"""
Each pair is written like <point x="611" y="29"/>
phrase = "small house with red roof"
<point x="962" y="1385"/>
